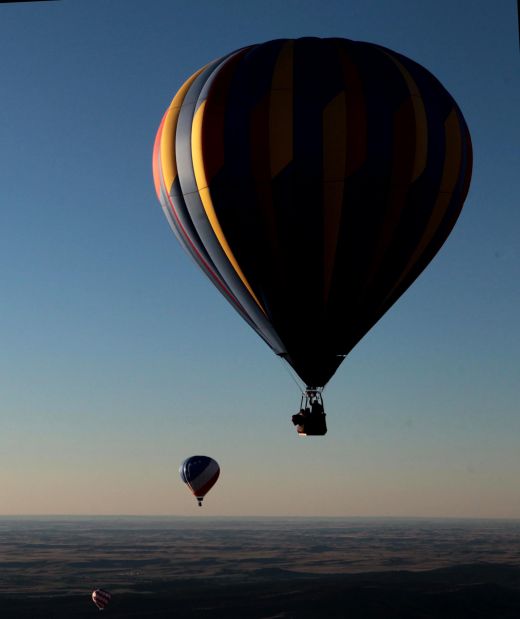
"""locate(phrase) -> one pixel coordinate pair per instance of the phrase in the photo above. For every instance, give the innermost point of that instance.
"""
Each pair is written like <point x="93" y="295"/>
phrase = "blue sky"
<point x="118" y="359"/>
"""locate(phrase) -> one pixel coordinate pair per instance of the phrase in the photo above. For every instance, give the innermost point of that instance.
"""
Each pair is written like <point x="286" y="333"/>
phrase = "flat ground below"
<point x="260" y="569"/>
<point x="473" y="591"/>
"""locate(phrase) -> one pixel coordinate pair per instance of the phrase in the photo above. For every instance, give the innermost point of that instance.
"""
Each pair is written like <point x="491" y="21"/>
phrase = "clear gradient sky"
<point x="118" y="359"/>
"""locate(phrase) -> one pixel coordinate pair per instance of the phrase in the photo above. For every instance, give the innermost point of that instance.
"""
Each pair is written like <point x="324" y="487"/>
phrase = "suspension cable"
<point x="292" y="374"/>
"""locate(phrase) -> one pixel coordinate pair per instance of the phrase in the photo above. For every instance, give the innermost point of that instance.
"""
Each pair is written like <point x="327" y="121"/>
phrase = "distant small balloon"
<point x="200" y="474"/>
<point x="101" y="598"/>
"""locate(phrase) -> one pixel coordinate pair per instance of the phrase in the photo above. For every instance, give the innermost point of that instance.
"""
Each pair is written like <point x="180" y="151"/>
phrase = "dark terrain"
<point x="260" y="568"/>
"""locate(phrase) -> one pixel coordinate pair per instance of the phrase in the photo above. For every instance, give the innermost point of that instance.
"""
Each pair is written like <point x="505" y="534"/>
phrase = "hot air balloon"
<point x="101" y="598"/>
<point x="312" y="180"/>
<point x="200" y="474"/>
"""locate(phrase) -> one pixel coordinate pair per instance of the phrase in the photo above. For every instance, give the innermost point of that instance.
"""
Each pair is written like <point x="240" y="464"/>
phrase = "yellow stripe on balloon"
<point x="203" y="189"/>
<point x="167" y="146"/>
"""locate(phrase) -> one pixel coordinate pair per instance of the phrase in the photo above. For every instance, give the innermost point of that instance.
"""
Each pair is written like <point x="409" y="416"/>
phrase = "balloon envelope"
<point x="101" y="598"/>
<point x="200" y="474"/>
<point x="312" y="180"/>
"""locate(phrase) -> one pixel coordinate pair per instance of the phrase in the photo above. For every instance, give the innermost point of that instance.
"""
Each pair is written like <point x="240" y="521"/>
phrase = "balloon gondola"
<point x="312" y="181"/>
<point x="310" y="419"/>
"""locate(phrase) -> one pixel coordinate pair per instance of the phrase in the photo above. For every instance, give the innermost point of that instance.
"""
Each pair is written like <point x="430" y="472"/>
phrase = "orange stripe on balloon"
<point x="281" y="110"/>
<point x="356" y="117"/>
<point x="450" y="177"/>
<point x="420" y="119"/>
<point x="156" y="160"/>
<point x="334" y="164"/>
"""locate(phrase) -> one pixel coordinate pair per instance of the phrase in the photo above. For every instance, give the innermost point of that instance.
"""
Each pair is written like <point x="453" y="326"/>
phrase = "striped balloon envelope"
<point x="200" y="474"/>
<point x="312" y="181"/>
<point x="101" y="598"/>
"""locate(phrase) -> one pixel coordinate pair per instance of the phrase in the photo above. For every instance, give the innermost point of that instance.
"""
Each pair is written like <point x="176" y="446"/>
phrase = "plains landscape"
<point x="260" y="568"/>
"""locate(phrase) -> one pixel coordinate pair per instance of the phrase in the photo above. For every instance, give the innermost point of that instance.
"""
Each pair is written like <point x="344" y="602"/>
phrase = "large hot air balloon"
<point x="101" y="598"/>
<point x="200" y="474"/>
<point x="312" y="180"/>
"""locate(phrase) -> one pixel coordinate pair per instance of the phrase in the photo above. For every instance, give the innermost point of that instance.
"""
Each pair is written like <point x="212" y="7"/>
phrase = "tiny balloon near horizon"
<point x="101" y="598"/>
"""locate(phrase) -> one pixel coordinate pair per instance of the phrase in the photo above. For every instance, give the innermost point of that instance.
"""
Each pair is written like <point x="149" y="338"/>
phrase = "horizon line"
<point x="251" y="517"/>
